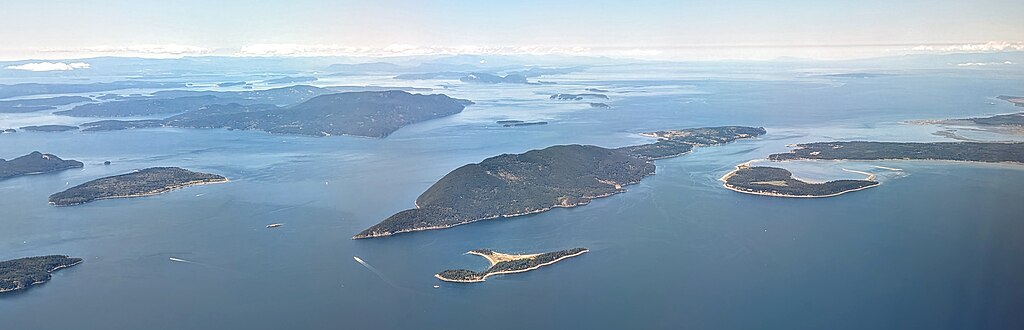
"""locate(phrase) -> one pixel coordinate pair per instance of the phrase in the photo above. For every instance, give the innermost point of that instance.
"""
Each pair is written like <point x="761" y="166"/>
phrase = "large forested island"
<point x="538" y="180"/>
<point x="773" y="181"/>
<point x="19" y="274"/>
<point x="368" y="114"/>
<point x="181" y="101"/>
<point x="150" y="181"/>
<point x="35" y="163"/>
<point x="502" y="263"/>
<point x="990" y="152"/>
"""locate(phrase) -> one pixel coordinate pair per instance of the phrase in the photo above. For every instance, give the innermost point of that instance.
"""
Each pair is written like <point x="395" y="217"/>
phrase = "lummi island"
<point x="511" y="185"/>
<point x="773" y="181"/>
<point x="35" y="163"/>
<point x="367" y="114"/>
<point x="150" y="181"/>
<point x="19" y="274"/>
<point x="502" y="263"/>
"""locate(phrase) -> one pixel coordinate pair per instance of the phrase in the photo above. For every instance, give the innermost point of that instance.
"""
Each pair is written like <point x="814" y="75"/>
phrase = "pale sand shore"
<point x="726" y="177"/>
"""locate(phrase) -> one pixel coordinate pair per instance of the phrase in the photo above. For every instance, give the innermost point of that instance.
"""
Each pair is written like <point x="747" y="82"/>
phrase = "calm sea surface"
<point x="936" y="246"/>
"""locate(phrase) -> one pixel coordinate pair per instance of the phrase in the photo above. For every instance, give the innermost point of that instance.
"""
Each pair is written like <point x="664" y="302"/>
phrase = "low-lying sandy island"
<point x="502" y="263"/>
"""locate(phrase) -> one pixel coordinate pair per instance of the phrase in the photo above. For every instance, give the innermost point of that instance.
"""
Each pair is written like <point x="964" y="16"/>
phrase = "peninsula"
<point x="536" y="181"/>
<point x="20" y="274"/>
<point x="773" y="181"/>
<point x="989" y="152"/>
<point x="502" y="263"/>
<point x="150" y="181"/>
<point x="35" y="163"/>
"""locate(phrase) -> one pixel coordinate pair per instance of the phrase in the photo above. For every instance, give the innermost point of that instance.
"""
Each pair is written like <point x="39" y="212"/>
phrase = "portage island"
<point x="536" y="181"/>
<point x="502" y="263"/>
<point x="147" y="182"/>
<point x="20" y="274"/>
<point x="35" y="163"/>
<point x="773" y="181"/>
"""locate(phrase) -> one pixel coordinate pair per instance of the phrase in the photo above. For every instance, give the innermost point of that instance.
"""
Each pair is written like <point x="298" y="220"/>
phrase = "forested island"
<point x="989" y="152"/>
<point x="502" y="263"/>
<point x="183" y="101"/>
<point x="49" y="128"/>
<point x="20" y="274"/>
<point x="511" y="185"/>
<point x="369" y="114"/>
<point x="150" y="181"/>
<point x="773" y="181"/>
<point x="35" y="163"/>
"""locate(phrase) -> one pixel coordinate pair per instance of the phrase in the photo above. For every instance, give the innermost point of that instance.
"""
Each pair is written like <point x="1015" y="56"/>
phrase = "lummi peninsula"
<point x="502" y="263"/>
<point x="536" y="181"/>
<point x="146" y="182"/>
<point x="20" y="274"/>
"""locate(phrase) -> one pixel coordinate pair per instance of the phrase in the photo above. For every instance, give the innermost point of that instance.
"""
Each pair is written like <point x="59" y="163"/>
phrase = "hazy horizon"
<point x="664" y="30"/>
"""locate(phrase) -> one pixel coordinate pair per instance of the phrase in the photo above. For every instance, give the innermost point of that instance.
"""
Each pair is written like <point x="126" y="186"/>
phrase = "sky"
<point x="656" y="29"/>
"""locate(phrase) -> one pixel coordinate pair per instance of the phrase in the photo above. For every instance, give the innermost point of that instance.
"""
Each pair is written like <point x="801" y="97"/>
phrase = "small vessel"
<point x="274" y="225"/>
<point x="437" y="286"/>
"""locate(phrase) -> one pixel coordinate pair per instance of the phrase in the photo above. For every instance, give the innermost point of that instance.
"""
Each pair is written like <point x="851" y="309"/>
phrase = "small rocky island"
<point x="20" y="274"/>
<point x="147" y="182"/>
<point x="773" y="181"/>
<point x="578" y="97"/>
<point x="536" y="181"/>
<point x="35" y="163"/>
<point x="517" y="123"/>
<point x="502" y="263"/>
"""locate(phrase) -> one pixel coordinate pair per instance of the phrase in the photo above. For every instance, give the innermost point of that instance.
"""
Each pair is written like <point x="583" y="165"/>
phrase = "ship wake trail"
<point x="199" y="264"/>
<point x="375" y="271"/>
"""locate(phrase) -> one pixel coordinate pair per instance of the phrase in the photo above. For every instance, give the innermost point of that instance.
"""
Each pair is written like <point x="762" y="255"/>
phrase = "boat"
<point x="274" y="225"/>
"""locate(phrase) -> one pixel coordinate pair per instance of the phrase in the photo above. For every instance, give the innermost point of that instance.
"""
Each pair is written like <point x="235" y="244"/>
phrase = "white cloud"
<point x="148" y="50"/>
<point x="49" y="66"/>
<point x="400" y="50"/>
<point x="992" y="46"/>
<point x="985" y="63"/>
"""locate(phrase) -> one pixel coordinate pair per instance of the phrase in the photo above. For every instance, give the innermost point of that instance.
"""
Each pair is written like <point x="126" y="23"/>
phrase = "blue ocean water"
<point x="936" y="246"/>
